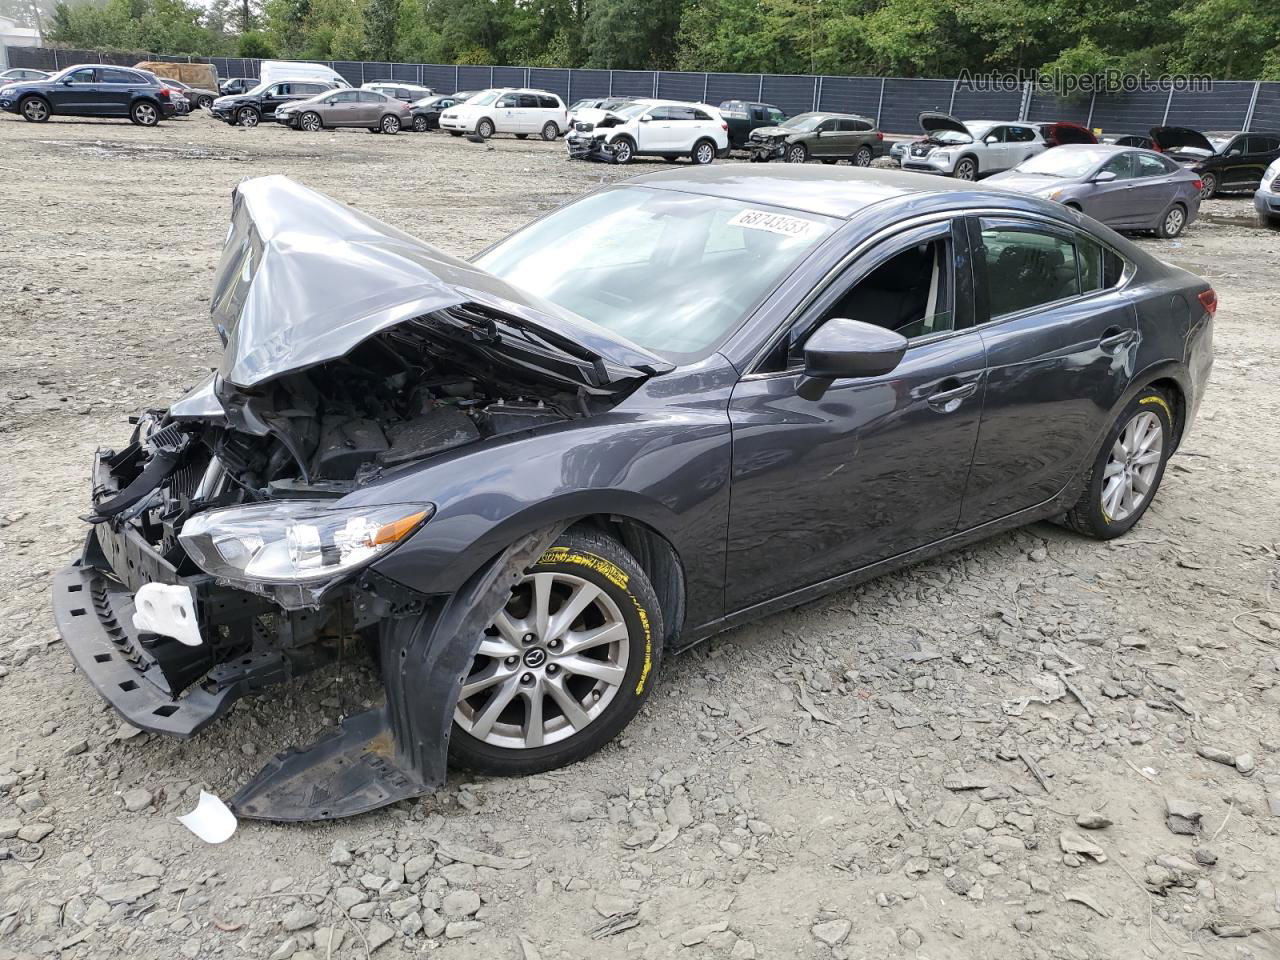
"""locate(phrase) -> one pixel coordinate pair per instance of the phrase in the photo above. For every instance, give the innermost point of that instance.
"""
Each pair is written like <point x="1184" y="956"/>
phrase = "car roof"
<point x="809" y="188"/>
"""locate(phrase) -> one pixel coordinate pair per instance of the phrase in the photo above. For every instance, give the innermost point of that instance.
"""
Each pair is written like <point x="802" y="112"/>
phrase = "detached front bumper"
<point x="154" y="682"/>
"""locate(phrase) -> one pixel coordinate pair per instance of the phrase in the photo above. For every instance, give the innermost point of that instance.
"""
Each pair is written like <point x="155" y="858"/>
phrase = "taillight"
<point x="1157" y="148"/>
<point x="724" y="126"/>
<point x="1198" y="184"/>
<point x="1209" y="300"/>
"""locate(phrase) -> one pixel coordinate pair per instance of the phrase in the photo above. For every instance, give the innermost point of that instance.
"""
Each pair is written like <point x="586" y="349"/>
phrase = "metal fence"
<point x="894" y="102"/>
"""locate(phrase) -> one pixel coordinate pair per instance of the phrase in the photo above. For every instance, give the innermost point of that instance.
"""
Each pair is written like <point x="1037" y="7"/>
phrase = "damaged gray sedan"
<point x="670" y="407"/>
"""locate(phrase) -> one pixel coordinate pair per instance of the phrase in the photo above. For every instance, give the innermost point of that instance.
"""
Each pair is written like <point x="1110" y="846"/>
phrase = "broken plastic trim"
<point x="400" y="749"/>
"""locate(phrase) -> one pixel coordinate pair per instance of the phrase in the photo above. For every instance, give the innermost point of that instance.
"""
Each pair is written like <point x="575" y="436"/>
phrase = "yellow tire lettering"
<point x="620" y="579"/>
<point x="1159" y="401"/>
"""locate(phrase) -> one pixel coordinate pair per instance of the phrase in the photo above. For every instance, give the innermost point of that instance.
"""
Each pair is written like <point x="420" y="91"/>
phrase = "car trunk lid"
<point x="305" y="279"/>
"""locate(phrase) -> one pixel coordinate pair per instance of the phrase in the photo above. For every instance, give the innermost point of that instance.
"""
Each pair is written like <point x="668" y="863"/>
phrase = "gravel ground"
<point x="1037" y="747"/>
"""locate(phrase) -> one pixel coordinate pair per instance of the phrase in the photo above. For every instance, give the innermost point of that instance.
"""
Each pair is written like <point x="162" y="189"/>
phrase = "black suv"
<point x="253" y="106"/>
<point x="743" y="116"/>
<point x="91" y="90"/>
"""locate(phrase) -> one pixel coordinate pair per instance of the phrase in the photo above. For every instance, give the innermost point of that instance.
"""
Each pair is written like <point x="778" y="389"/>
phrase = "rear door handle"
<point x="948" y="401"/>
<point x="1115" y="338"/>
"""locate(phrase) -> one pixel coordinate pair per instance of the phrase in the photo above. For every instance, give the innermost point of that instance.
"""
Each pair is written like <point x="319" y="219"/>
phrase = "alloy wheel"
<point x="485" y="129"/>
<point x="797" y="154"/>
<point x="1208" y="186"/>
<point x="1132" y="467"/>
<point x="310" y="122"/>
<point x="548" y="666"/>
<point x="420" y="124"/>
<point x="35" y="110"/>
<point x="1173" y="221"/>
<point x="390" y="125"/>
<point x="966" y="170"/>
<point x="248" y="117"/>
<point x="705" y="153"/>
<point x="145" y="114"/>
<point x="862" y="158"/>
<point x="622" y="151"/>
<point x="550" y="131"/>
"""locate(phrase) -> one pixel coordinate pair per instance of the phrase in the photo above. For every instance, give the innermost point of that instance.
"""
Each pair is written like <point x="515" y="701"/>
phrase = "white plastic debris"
<point x="212" y="821"/>
<point x="169" y="610"/>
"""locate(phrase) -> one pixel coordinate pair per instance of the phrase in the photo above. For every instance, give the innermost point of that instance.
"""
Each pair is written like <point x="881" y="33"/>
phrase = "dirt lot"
<point x="970" y="759"/>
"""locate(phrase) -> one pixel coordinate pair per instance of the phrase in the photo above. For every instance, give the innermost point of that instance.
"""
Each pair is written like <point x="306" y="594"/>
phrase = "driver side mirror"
<point x="66" y="81"/>
<point x="1104" y="176"/>
<point x="646" y="118"/>
<point x="842" y="348"/>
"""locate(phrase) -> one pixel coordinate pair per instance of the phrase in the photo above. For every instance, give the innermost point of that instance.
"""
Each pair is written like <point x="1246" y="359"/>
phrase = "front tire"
<point x="1126" y="474"/>
<point x="1172" y="223"/>
<point x="565" y="666"/>
<point x="420" y="125"/>
<point x="703" y="152"/>
<point x="205" y="102"/>
<point x="310" y="122"/>
<point x="1208" y="186"/>
<point x="966" y="169"/>
<point x="35" y="109"/>
<point x="248" y="117"/>
<point x="485" y="128"/>
<point x="624" y="151"/>
<point x="797" y="153"/>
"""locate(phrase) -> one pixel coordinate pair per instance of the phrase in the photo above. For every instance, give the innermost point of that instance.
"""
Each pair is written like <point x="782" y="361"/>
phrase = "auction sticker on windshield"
<point x="775" y="223"/>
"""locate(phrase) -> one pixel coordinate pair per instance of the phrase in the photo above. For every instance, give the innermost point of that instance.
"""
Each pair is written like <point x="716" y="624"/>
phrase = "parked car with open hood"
<point x="260" y="103"/>
<point x="1267" y="198"/>
<point x="504" y="110"/>
<point x="655" y="128"/>
<point x="1123" y="188"/>
<point x="594" y="110"/>
<point x="370" y="109"/>
<point x="522" y="481"/>
<point x="743" y="116"/>
<point x="1225" y="162"/>
<point x="426" y="112"/>
<point x="829" y="137"/>
<point x="970" y="149"/>
<point x="92" y="90"/>
<point x="1060" y="132"/>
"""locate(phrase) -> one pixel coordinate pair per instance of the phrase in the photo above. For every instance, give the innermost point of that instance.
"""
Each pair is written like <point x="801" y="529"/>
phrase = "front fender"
<point x="665" y="467"/>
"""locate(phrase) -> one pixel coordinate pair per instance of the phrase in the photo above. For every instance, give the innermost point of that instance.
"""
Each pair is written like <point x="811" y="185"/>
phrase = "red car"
<point x="1056" y="134"/>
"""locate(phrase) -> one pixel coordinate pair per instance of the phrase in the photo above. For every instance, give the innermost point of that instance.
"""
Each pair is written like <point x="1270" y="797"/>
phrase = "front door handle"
<point x="1115" y="338"/>
<point x="949" y="400"/>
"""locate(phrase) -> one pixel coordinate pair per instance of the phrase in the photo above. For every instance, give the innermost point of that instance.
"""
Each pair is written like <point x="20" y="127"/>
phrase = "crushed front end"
<point x="766" y="145"/>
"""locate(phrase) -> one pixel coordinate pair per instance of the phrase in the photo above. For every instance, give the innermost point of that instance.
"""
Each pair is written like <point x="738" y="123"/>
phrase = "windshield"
<point x="1064" y="162"/>
<point x="675" y="273"/>
<point x="803" y="123"/>
<point x="484" y="99"/>
<point x="629" y="110"/>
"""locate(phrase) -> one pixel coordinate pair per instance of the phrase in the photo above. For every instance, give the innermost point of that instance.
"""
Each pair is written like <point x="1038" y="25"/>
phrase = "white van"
<point x="404" y="92"/>
<point x="273" y="70"/>
<point x="505" y="110"/>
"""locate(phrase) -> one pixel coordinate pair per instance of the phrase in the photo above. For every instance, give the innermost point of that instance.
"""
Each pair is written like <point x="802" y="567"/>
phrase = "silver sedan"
<point x="1124" y="188"/>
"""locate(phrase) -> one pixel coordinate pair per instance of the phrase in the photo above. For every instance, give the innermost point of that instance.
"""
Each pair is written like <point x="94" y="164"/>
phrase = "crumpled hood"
<point x="932" y="123"/>
<point x="770" y="133"/>
<point x="305" y="279"/>
<point x="1173" y="139"/>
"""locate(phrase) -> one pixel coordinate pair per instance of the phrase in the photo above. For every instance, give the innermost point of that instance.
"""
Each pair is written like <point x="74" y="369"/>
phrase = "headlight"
<point x="1054" y="195"/>
<point x="296" y="541"/>
<point x="1269" y="177"/>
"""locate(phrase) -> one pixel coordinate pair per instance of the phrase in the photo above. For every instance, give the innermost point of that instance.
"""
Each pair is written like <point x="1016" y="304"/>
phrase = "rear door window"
<point x="106" y="75"/>
<point x="1149" y="166"/>
<point x="1027" y="267"/>
<point x="548" y="103"/>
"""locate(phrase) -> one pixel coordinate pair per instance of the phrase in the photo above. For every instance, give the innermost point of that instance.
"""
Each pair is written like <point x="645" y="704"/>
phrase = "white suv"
<point x="521" y="112"/>
<point x="970" y="149"/>
<point x="661" y="128"/>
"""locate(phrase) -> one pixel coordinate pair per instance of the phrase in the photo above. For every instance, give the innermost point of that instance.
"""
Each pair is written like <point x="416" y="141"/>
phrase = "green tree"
<point x="1231" y="39"/>
<point x="380" y="21"/>
<point x="255" y="45"/>
<point x="632" y="34"/>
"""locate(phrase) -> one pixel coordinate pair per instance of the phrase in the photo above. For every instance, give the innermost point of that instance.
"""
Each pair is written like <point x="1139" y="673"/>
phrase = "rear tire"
<point x="550" y="131"/>
<point x="1208" y="186"/>
<point x="863" y="157"/>
<point x="35" y="109"/>
<point x="703" y="152"/>
<point x="248" y="117"/>
<point x="144" y="113"/>
<point x="1172" y="223"/>
<point x="521" y="668"/>
<point x="205" y="102"/>
<point x="390" y="125"/>
<point x="1125" y="476"/>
